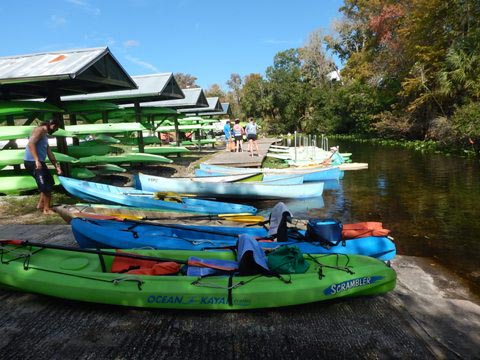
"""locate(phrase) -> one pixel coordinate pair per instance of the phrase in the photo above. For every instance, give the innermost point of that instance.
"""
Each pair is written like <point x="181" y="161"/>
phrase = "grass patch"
<point x="274" y="163"/>
<point x="23" y="209"/>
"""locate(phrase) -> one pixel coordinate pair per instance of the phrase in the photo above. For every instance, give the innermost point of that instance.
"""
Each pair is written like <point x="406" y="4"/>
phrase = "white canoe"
<point x="240" y="190"/>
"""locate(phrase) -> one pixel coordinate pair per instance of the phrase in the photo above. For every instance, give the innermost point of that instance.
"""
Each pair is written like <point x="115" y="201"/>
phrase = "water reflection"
<point x="429" y="201"/>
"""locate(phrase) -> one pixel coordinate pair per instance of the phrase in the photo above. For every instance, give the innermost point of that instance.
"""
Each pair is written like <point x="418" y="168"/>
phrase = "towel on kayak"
<point x="205" y="267"/>
<point x="250" y="256"/>
<point x="251" y="260"/>
<point x="278" y="222"/>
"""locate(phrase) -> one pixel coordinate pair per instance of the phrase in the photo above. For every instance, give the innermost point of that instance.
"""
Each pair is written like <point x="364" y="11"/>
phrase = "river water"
<point x="430" y="202"/>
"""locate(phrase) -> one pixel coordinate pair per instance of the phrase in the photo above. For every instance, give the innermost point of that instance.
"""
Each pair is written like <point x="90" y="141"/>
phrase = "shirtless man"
<point x="34" y="160"/>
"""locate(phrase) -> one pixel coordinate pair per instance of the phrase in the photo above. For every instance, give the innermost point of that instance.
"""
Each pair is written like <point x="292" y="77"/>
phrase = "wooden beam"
<point x="138" y="119"/>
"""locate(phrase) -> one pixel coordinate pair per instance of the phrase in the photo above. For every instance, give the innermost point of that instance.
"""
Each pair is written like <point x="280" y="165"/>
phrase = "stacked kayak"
<point x="130" y="234"/>
<point x="309" y="174"/>
<point x="118" y="278"/>
<point x="103" y="193"/>
<point x="250" y="190"/>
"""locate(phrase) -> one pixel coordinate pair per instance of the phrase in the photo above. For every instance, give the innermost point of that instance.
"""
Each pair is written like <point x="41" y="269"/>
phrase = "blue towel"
<point x="250" y="256"/>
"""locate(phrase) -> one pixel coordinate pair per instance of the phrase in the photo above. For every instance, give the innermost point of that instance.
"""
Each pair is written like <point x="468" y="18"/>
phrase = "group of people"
<point x="234" y="136"/>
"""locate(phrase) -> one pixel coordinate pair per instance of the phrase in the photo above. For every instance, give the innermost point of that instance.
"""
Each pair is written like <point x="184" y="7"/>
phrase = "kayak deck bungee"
<point x="74" y="274"/>
<point x="128" y="234"/>
<point x="103" y="193"/>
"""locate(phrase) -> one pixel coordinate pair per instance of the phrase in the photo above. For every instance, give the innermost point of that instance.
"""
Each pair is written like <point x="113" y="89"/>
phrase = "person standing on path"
<point x="34" y="161"/>
<point x="251" y="131"/>
<point x="238" y="132"/>
<point x="228" y="135"/>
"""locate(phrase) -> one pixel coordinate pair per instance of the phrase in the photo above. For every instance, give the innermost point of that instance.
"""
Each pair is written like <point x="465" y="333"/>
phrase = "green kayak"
<point x="105" y="169"/>
<point x="124" y="159"/>
<point x="198" y="142"/>
<point x="23" y="132"/>
<point x="25" y="108"/>
<point x="15" y="157"/>
<point x="75" y="172"/>
<point x="161" y="150"/>
<point x="104" y="128"/>
<point x="18" y="184"/>
<point x="86" y="275"/>
<point x="93" y="149"/>
<point x="147" y="140"/>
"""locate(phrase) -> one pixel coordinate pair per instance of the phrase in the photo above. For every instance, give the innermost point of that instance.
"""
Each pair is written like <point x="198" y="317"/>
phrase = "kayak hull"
<point x="131" y="234"/>
<point x="103" y="193"/>
<point x="260" y="190"/>
<point x="79" y="276"/>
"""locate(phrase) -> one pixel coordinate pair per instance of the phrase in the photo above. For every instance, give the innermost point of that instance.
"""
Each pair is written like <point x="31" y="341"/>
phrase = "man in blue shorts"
<point x="36" y="152"/>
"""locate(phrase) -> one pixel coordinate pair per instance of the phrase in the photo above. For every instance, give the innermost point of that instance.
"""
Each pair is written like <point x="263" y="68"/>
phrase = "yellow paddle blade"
<point x="237" y="214"/>
<point x="125" y="216"/>
<point x="250" y="219"/>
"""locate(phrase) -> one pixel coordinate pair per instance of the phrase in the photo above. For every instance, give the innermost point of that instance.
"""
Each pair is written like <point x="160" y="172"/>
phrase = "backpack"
<point x="327" y="232"/>
<point x="287" y="260"/>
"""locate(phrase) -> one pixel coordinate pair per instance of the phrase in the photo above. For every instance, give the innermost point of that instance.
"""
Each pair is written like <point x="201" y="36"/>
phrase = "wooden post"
<point x="73" y="121"/>
<point x="177" y="132"/>
<point x="105" y="117"/>
<point x="138" y="119"/>
<point x="12" y="144"/>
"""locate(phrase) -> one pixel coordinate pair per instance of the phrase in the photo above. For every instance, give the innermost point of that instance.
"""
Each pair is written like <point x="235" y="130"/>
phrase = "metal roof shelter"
<point x="153" y="87"/>
<point x="226" y="110"/>
<point x="54" y="74"/>
<point x="58" y="73"/>
<point x="213" y="106"/>
<point x="194" y="98"/>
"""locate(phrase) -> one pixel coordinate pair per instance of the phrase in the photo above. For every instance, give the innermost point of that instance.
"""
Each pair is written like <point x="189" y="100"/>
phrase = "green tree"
<point x="215" y="91"/>
<point x="185" y="81"/>
<point x="287" y="91"/>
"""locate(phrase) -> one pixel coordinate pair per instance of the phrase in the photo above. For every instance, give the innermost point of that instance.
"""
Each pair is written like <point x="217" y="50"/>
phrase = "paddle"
<point x="180" y="227"/>
<point x="240" y="217"/>
<point x="90" y="251"/>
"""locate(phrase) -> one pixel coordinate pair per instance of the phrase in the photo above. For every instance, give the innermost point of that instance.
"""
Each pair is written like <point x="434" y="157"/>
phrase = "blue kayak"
<point x="93" y="233"/>
<point x="103" y="193"/>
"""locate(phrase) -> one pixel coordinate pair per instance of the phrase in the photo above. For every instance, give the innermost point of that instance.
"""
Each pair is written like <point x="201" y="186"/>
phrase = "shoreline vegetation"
<point x="418" y="145"/>
<point x="403" y="70"/>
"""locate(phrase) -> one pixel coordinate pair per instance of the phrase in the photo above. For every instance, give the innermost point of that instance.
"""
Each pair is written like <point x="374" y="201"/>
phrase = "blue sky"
<point x="207" y="39"/>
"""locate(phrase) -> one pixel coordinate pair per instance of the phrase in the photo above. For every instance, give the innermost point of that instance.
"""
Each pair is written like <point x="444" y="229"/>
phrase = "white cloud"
<point x="57" y="20"/>
<point x="131" y="43"/>
<point x="141" y="63"/>
<point x="86" y="6"/>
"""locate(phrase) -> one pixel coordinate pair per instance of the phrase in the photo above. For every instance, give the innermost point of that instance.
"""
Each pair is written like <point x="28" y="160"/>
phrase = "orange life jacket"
<point x="363" y="229"/>
<point x="126" y="265"/>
